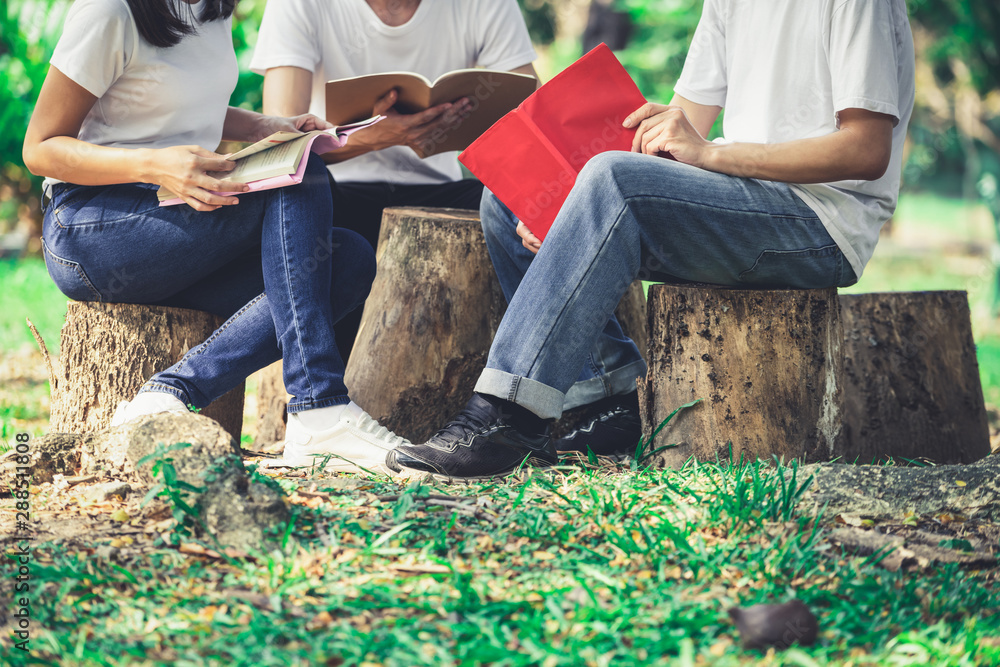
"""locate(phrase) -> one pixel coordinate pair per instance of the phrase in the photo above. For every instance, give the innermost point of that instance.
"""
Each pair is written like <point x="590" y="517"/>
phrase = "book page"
<point x="276" y="161"/>
<point x="282" y="137"/>
<point x="264" y="144"/>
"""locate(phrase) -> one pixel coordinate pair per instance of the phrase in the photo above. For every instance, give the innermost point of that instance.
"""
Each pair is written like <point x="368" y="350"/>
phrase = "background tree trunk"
<point x="766" y="364"/>
<point x="430" y="320"/>
<point x="911" y="379"/>
<point x="108" y="350"/>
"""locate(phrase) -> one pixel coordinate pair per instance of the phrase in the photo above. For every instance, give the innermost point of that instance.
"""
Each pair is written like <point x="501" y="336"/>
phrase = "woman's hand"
<point x="420" y="131"/>
<point x="191" y="172"/>
<point x="528" y="240"/>
<point x="666" y="131"/>
<point x="306" y="122"/>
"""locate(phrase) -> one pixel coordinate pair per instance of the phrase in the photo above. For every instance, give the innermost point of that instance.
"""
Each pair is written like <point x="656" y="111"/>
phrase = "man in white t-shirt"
<point x="305" y="43"/>
<point x="818" y="94"/>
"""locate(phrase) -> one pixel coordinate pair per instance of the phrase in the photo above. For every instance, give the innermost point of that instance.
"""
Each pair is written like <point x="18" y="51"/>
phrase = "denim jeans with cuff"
<point x="635" y="216"/>
<point x="274" y="265"/>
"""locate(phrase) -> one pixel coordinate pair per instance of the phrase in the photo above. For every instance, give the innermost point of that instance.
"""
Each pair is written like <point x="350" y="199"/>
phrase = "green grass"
<point x="988" y="352"/>
<point x="28" y="292"/>
<point x="575" y="567"/>
<point x="937" y="243"/>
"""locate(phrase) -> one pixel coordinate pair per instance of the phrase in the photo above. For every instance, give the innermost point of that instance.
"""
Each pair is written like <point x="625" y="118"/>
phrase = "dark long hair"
<point x="163" y="23"/>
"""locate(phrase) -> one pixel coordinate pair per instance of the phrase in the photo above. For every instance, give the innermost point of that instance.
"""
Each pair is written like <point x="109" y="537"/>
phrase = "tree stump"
<point x="272" y="400"/>
<point x="911" y="380"/>
<point x="766" y="365"/>
<point x="108" y="350"/>
<point x="430" y="319"/>
<point x="631" y="314"/>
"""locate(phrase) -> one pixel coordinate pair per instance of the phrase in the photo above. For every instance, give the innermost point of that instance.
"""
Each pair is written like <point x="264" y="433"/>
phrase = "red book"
<point x="531" y="157"/>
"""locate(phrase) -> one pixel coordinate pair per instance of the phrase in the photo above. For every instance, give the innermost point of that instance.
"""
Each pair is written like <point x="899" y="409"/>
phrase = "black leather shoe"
<point x="614" y="431"/>
<point x="480" y="442"/>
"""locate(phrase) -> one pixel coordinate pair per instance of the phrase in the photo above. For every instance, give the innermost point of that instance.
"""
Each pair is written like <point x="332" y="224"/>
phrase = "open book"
<point x="492" y="93"/>
<point x="277" y="160"/>
<point x="531" y="157"/>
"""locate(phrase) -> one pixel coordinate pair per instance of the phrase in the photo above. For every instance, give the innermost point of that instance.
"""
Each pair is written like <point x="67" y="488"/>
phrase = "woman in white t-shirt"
<point x="137" y="96"/>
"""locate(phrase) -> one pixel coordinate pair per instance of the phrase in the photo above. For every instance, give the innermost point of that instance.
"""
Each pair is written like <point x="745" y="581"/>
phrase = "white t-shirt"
<point x="784" y="69"/>
<point x="336" y="39"/>
<point x="147" y="97"/>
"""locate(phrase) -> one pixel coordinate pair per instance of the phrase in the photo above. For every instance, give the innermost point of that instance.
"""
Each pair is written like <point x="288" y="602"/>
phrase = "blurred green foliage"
<point x="540" y="17"/>
<point x="29" y="30"/>
<point x="659" y="44"/>
<point x="246" y="22"/>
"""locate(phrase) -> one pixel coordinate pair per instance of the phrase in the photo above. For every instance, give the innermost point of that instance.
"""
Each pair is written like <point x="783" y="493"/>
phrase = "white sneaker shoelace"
<point x="367" y="424"/>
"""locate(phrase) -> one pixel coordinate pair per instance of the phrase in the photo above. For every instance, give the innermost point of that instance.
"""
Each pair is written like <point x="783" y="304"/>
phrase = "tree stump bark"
<point x="766" y="365"/>
<point x="892" y="492"/>
<point x="430" y="320"/>
<point x="108" y="350"/>
<point x="631" y="314"/>
<point x="272" y="400"/>
<point x="911" y="380"/>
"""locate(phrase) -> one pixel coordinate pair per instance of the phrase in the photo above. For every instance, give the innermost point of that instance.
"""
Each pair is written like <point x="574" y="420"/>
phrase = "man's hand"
<point x="184" y="170"/>
<point x="528" y="240"/>
<point x="666" y="131"/>
<point x="414" y="130"/>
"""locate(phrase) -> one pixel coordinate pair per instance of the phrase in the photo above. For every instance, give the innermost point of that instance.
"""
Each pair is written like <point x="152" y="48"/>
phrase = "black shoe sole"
<point x="530" y="464"/>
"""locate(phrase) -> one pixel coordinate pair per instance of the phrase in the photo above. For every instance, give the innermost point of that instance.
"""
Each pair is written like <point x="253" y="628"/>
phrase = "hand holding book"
<point x="488" y="95"/>
<point x="419" y="131"/>
<point x="277" y="160"/>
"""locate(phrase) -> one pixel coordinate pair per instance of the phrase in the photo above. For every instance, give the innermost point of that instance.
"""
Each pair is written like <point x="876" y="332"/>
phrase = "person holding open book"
<point x="137" y="97"/>
<point x="305" y="43"/>
<point x="817" y="93"/>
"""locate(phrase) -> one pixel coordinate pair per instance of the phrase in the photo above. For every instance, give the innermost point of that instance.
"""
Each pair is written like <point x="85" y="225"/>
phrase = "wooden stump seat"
<point x="812" y="375"/>
<point x="108" y="350"/>
<point x="911" y="378"/>
<point x="430" y="320"/>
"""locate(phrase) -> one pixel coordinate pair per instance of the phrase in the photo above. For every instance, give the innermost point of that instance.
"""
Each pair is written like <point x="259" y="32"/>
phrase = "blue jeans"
<point x="635" y="216"/>
<point x="274" y="265"/>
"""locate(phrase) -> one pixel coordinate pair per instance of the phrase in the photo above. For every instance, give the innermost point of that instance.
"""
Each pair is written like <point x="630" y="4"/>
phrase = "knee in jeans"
<point x="316" y="175"/>
<point x="604" y="169"/>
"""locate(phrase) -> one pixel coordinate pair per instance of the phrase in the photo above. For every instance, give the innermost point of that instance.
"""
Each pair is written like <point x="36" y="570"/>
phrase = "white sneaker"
<point x="354" y="442"/>
<point x="146" y="403"/>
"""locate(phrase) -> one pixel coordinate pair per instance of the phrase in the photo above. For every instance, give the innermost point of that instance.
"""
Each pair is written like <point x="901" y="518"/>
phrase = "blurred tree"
<point x="540" y="17"/>
<point x="29" y="30"/>
<point x="956" y="122"/>
<point x="607" y="24"/>
<point x="246" y="24"/>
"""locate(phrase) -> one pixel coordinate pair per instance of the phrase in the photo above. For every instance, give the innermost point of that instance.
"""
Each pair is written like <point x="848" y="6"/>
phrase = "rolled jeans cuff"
<point x="302" y="406"/>
<point x="618" y="381"/>
<point x="543" y="400"/>
<point x="160" y="388"/>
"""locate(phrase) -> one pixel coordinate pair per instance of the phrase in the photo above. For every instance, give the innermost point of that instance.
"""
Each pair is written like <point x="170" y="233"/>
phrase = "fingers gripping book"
<point x="278" y="160"/>
<point x="491" y="92"/>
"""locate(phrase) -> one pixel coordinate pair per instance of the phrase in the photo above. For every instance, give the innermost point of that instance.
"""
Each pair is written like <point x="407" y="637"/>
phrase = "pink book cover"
<point x="321" y="143"/>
